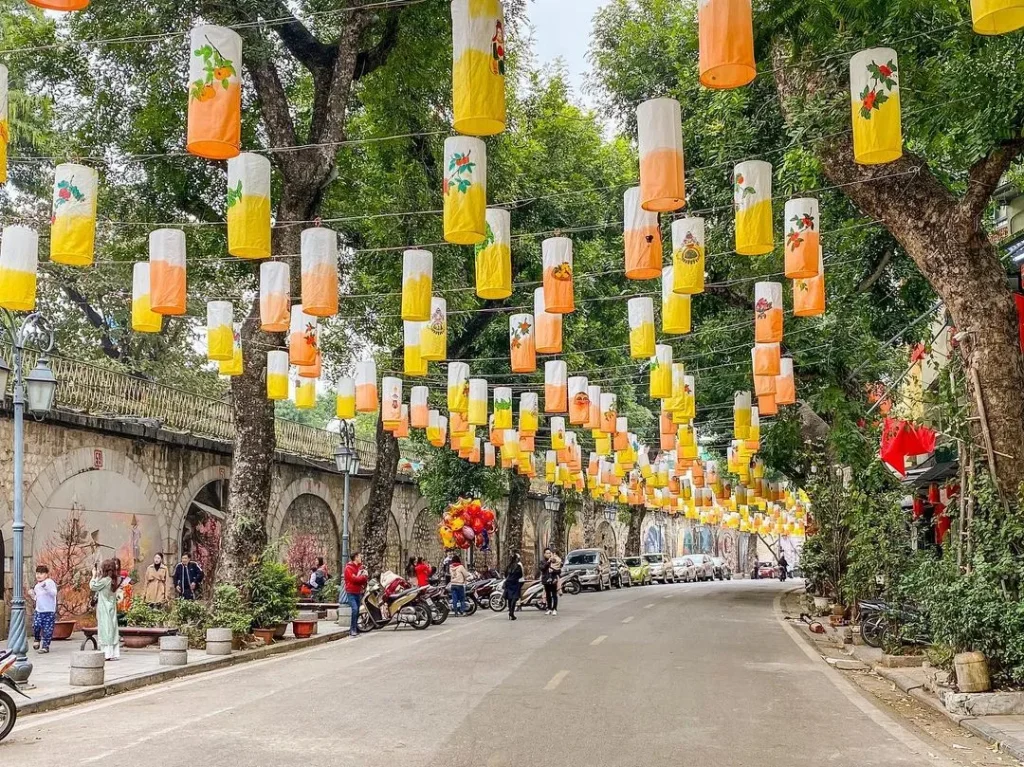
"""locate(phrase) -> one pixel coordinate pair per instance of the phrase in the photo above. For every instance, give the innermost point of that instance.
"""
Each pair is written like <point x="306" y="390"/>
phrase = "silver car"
<point x="661" y="568"/>
<point x="684" y="569"/>
<point x="592" y="565"/>
<point x="703" y="566"/>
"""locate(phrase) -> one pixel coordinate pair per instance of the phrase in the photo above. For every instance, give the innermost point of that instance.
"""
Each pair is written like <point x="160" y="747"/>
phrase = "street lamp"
<point x="346" y="460"/>
<point x="41" y="387"/>
<point x="552" y="501"/>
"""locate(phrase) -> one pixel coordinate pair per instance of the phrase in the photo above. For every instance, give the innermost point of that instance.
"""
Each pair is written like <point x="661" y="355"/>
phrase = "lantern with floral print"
<point x="768" y="312"/>
<point x="809" y="294"/>
<point x="661" y="372"/>
<point x="414" y="365"/>
<point x="741" y="414"/>
<point x="803" y="238"/>
<point x="997" y="17"/>
<point x="417" y="284"/>
<point x="275" y="303"/>
<point x="875" y="103"/>
<point x="558" y="288"/>
<point x="418" y="407"/>
<point x="434" y="332"/>
<point x="366" y="386"/>
<point x="556" y="391"/>
<point x="752" y="201"/>
<point x="476" y="414"/>
<point x="345" y="405"/>
<point x="73" y="222"/>
<point x="594" y="416"/>
<point x="558" y="433"/>
<point x="503" y="408"/>
<point x="167" y="271"/>
<point x="214" y="93"/>
<point x="478" y="67"/>
<point x="548" y="327"/>
<point x="726" y="32"/>
<point x="320" y="272"/>
<point x="458" y="387"/>
<point x="767" y="359"/>
<point x="219" y="330"/>
<point x="19" y="261"/>
<point x="676" y="308"/>
<point x="785" y="383"/>
<point x="579" y="401"/>
<point x="609" y="412"/>
<point x="391" y="400"/>
<point x="5" y="128"/>
<point x="529" y="414"/>
<point x="522" y="347"/>
<point x="302" y="337"/>
<point x="662" y="174"/>
<point x="236" y="365"/>
<point x="277" y="375"/>
<point x="494" y="257"/>
<point x="465" y="190"/>
<point x="642" y="238"/>
<point x="144" y="319"/>
<point x="249" y="206"/>
<point x="688" y="256"/>
<point x="641" y="327"/>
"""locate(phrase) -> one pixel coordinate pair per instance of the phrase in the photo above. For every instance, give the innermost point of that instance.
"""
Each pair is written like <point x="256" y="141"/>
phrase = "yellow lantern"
<point x="391" y="399"/>
<point x="752" y="199"/>
<point x="662" y="175"/>
<point x="219" y="330"/>
<point x="275" y="300"/>
<point x="249" y="206"/>
<point x="642" y="238"/>
<point x="809" y="294"/>
<point x="558" y="289"/>
<point x="548" y="326"/>
<point x="345" y="405"/>
<point x="726" y="32"/>
<point x="414" y="364"/>
<point x="688" y="398"/>
<point x="305" y="393"/>
<point x="579" y="401"/>
<point x="465" y="190"/>
<point x="661" y="372"/>
<point x="319" y="272"/>
<point x="875" y="103"/>
<point x="997" y="17"/>
<point x="688" y="256"/>
<point x="609" y="412"/>
<point x="478" y="67"/>
<point x="502" y="408"/>
<point x="458" y="387"/>
<point x="741" y="414"/>
<point x="418" y="407"/>
<point x="676" y="308"/>
<point x="529" y="414"/>
<point x="434" y="332"/>
<point x="5" y="128"/>
<point x="754" y="435"/>
<point x="167" y="271"/>
<point x="476" y="412"/>
<point x="522" y="346"/>
<point x="302" y="337"/>
<point x="214" y="93"/>
<point x="641" y="327"/>
<point x="417" y="284"/>
<point x="144" y="319"/>
<point x="366" y="386"/>
<point x="803" y="238"/>
<point x="73" y="223"/>
<point x="277" y="375"/>
<point x="556" y="392"/>
<point x="785" y="383"/>
<point x="494" y="257"/>
<point x="434" y="435"/>
<point x="594" y="416"/>
<point x="236" y="365"/>
<point x="558" y="432"/>
<point x="766" y="359"/>
<point x="19" y="259"/>
<point x="768" y="312"/>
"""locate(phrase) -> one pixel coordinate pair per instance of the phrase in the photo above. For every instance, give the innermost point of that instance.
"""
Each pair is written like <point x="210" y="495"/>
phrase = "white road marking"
<point x="627" y="620"/>
<point x="648" y="607"/>
<point x="598" y="641"/>
<point x="158" y="733"/>
<point x="668" y="596"/>
<point x="556" y="680"/>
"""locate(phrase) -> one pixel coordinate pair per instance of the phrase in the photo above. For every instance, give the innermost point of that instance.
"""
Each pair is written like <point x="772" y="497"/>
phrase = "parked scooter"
<point x="408" y="606"/>
<point x="480" y="591"/>
<point x="570" y="584"/>
<point x="496" y="599"/>
<point x="437" y="600"/>
<point x="8" y="711"/>
<point x="532" y="594"/>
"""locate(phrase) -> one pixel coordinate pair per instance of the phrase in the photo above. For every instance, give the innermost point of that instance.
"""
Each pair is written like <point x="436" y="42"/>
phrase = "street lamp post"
<point x="36" y="391"/>
<point x="346" y="460"/>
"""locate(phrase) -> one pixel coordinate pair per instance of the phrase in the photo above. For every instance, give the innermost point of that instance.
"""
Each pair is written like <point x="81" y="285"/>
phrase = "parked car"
<point x="705" y="568"/>
<point x="639" y="571"/>
<point x="722" y="570"/>
<point x="620" y="573"/>
<point x="684" y="570"/>
<point x="766" y="570"/>
<point x="661" y="567"/>
<point x="593" y="566"/>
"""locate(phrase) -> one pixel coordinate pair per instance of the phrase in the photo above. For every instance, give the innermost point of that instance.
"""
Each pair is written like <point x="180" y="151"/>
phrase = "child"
<point x="45" y="594"/>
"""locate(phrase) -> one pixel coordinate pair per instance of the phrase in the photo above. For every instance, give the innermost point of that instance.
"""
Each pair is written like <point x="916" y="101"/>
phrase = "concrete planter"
<point x="63" y="630"/>
<point x="902" y="661"/>
<point x="219" y="641"/>
<point x="86" y="668"/>
<point x="174" y="651"/>
<point x="984" y="703"/>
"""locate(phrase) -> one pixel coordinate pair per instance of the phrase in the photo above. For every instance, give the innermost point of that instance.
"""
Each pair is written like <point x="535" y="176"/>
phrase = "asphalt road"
<point x="694" y="674"/>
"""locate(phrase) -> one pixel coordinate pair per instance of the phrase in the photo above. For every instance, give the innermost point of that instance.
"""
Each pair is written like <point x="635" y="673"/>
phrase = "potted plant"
<point x="273" y="597"/>
<point x="141" y="615"/>
<point x="304" y="626"/>
<point x="229" y="612"/>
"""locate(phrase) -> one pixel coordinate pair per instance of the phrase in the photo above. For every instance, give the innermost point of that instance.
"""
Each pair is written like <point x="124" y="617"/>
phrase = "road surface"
<point x="689" y="674"/>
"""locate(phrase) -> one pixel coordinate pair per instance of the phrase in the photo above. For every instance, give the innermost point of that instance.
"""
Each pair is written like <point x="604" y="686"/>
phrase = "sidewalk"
<point x="139" y="668"/>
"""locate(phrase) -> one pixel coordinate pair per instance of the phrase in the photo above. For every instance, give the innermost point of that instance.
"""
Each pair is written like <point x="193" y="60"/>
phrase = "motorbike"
<point x="496" y="599"/>
<point x="480" y="591"/>
<point x="531" y="594"/>
<point x="408" y="606"/>
<point x="8" y="711"/>
<point x="437" y="600"/>
<point x="570" y="584"/>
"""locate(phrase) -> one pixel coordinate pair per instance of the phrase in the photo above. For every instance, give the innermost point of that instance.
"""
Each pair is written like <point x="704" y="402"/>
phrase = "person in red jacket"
<point x="356" y="579"/>
<point x="423" y="572"/>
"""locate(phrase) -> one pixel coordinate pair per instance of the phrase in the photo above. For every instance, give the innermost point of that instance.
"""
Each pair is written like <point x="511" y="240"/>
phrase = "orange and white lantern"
<point x="529" y="414"/>
<point x="249" y="206"/>
<point x="676" y="308"/>
<point x="642" y="238"/>
<point x="558" y="287"/>
<point x="314" y="370"/>
<point x="662" y="175"/>
<point x="277" y="375"/>
<point x="641" y="327"/>
<point x="236" y="365"/>
<point x="688" y="256"/>
<point x="785" y="383"/>
<point x="609" y="412"/>
<point x="391" y="399"/>
<point x="345" y="405"/>
<point x="19" y="261"/>
<point x="402" y="430"/>
<point x="302" y="337"/>
<point x="275" y="299"/>
<point x="494" y="257"/>
<point x="417" y="284"/>
<point x="556" y="387"/>
<point x="594" y="416"/>
<point x="803" y="238"/>
<point x="458" y="387"/>
<point x="809" y="294"/>
<point x="548" y="326"/>
<point x="5" y="127"/>
<point x="434" y="434"/>
<point x="476" y="413"/>
<point x="219" y="330"/>
<point x="579" y="400"/>
<point x="763" y="384"/>
<point x="875" y="104"/>
<point x="768" y="312"/>
<point x="366" y="386"/>
<point x="465" y="190"/>
<point x="767" y="405"/>
<point x="214" y="93"/>
<point x="478" y="67"/>
<point x="144" y="319"/>
<point x="502" y="407"/>
<point x="752" y="201"/>
<point x="661" y="372"/>
<point x="73" y="222"/>
<point x="997" y="17"/>
<point x="522" y="344"/>
<point x="414" y="365"/>
<point x="419" y="410"/>
<point x="767" y="359"/>
<point x="319" y="272"/>
<point x="167" y="271"/>
<point x="434" y="332"/>
<point x="726" y="35"/>
<point x="305" y="393"/>
<point x="488" y="454"/>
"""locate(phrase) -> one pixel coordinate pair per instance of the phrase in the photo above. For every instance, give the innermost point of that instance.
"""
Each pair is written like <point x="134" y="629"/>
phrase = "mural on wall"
<point x="606" y="539"/>
<point x="654" y="539"/>
<point x="70" y="552"/>
<point x="203" y="527"/>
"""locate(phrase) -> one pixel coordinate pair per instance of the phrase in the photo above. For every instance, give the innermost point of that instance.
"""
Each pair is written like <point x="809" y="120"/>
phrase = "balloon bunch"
<point x="467" y="522"/>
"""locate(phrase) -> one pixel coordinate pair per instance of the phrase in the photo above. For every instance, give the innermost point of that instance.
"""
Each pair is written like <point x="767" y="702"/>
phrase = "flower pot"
<point x="63" y="629"/>
<point x="279" y="630"/>
<point x="267" y="635"/>
<point x="138" y="642"/>
<point x="303" y="629"/>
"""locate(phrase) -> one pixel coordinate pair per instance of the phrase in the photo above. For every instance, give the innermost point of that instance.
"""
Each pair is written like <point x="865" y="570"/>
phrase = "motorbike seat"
<point x="404" y="592"/>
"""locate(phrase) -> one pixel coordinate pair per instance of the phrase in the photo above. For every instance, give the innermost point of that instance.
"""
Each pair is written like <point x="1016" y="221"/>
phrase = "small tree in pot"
<point x="273" y="597"/>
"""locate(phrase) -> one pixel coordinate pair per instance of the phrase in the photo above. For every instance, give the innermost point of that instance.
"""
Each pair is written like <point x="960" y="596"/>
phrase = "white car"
<point x="703" y="566"/>
<point x="661" y="568"/>
<point x="684" y="570"/>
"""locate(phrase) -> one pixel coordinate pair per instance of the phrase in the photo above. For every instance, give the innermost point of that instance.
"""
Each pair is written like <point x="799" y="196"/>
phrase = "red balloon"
<point x="478" y="525"/>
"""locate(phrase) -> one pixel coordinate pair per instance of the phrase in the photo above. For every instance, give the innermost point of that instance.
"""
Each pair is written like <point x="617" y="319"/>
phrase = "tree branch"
<point x="300" y="42"/>
<point x="869" y="281"/>
<point x="270" y="92"/>
<point x="374" y="58"/>
<point x="983" y="178"/>
<point x="95" y="318"/>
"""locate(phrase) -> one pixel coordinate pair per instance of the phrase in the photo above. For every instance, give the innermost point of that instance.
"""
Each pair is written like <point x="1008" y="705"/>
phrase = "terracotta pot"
<point x="303" y="629"/>
<point x="63" y="629"/>
<point x="138" y="642"/>
<point x="267" y="635"/>
<point x="279" y="630"/>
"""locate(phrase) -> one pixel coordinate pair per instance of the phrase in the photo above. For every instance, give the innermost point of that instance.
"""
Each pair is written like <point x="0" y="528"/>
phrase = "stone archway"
<point x="307" y="531"/>
<point x="606" y="539"/>
<point x="425" y="542"/>
<point x="192" y="490"/>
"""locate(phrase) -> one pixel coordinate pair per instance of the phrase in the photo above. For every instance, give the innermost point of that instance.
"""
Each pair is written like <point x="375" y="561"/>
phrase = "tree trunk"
<point x="377" y="513"/>
<point x="518" y="494"/>
<point x="636" y="522"/>
<point x="588" y="513"/>
<point x="558" y="531"/>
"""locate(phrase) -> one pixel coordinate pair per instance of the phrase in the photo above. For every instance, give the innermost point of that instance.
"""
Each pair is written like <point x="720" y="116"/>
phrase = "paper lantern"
<point x="502" y="407"/>
<point x="366" y="386"/>
<point x="809" y="294"/>
<point x="414" y="364"/>
<point x="488" y="454"/>
<point x="548" y="326"/>
<point x="434" y="332"/>
<point x="662" y="175"/>
<point x="689" y="398"/>
<point x="494" y="257"/>
<point x="641" y="327"/>
<point x="476" y="413"/>
<point x="642" y="238"/>
<point x="558" y="432"/>
<point x="767" y="405"/>
<point x="803" y="239"/>
<point x="144" y="319"/>
<point x="19" y="259"/>
<point x="474" y="456"/>
<point x="556" y="391"/>
<point x="275" y="300"/>
<point x="5" y="128"/>
<point x="302" y="340"/>
<point x="522" y="346"/>
<point x="277" y="375"/>
<point x="688" y="256"/>
<point x="478" y="67"/>
<point x="558" y="288"/>
<point x="579" y="401"/>
<point x="497" y="435"/>
<point x="767" y="358"/>
<point x="73" y="222"/>
<point x="214" y="93"/>
<point x="391" y="399"/>
<point x="741" y="414"/>
<point x="609" y="412"/>
<point x="236" y="365"/>
<point x="676" y="308"/>
<point x="594" y="416"/>
<point x="418" y="407"/>
<point x="529" y="414"/>
<point x="249" y="206"/>
<point x="167" y="271"/>
<point x="661" y="372"/>
<point x="997" y="17"/>
<point x="305" y="393"/>
<point x="763" y="384"/>
<point x="417" y="284"/>
<point x="875" y="103"/>
<point x="752" y="200"/>
<point x="785" y="383"/>
<point x="458" y="387"/>
<point x="437" y="429"/>
<point x="314" y="370"/>
<point x="219" y="330"/>
<point x="768" y="312"/>
<point x="402" y="430"/>
<point x="726" y="36"/>
<point x="345" y="406"/>
<point x="319" y="272"/>
<point x="465" y="190"/>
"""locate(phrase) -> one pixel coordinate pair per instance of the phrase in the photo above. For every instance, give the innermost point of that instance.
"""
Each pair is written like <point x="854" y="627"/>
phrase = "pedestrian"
<point x="44" y="595"/>
<point x="355" y="583"/>
<point x="318" y="577"/>
<point x="783" y="568"/>
<point x="423" y="571"/>
<point x="410" y="569"/>
<point x="188" y="576"/>
<point x="550" y="570"/>
<point x="104" y="584"/>
<point x="156" y="583"/>
<point x="513" y="584"/>
<point x="460" y="577"/>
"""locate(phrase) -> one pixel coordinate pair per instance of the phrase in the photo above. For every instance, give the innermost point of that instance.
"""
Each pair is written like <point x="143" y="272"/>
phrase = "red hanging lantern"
<point x="918" y="510"/>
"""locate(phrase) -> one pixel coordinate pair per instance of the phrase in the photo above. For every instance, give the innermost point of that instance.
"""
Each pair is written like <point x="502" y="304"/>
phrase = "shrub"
<point x="228" y="611"/>
<point x="141" y="615"/>
<point x="191" y="617"/>
<point x="273" y="593"/>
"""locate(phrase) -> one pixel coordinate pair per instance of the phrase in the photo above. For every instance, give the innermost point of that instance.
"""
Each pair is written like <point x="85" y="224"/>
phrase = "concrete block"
<point x="218" y="641"/>
<point x="173" y="651"/>
<point x="984" y="703"/>
<point x="87" y="669"/>
<point x="902" y="661"/>
<point x="846" y="664"/>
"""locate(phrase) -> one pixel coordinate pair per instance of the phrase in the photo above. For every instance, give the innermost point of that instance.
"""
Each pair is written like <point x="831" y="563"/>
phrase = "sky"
<point x="562" y="30"/>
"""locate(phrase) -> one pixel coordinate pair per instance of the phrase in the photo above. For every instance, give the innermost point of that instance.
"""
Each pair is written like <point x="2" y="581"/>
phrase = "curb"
<point x="170" y="673"/>
<point x="985" y="732"/>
